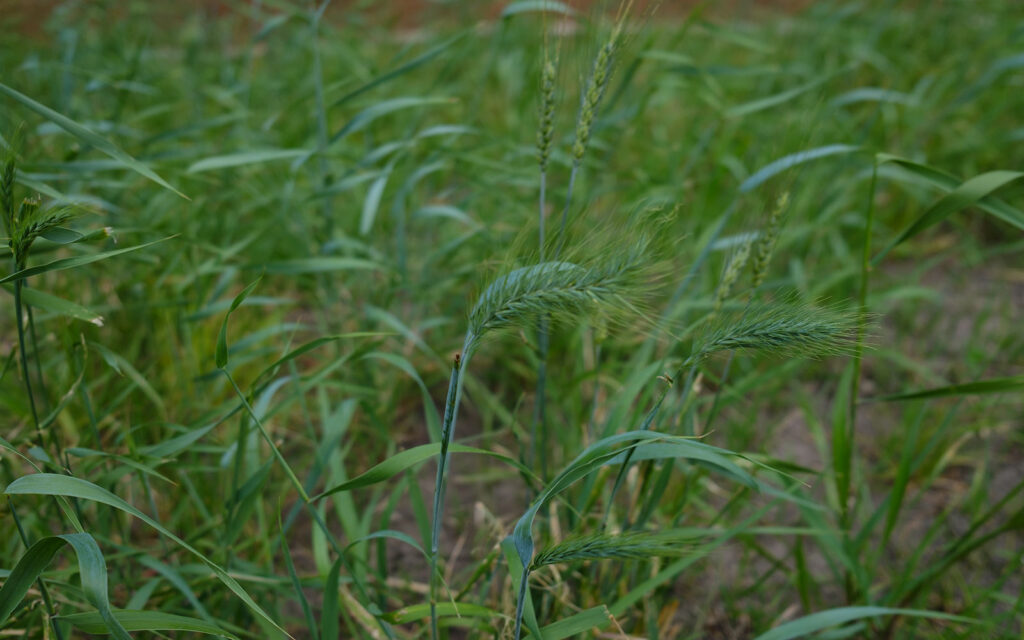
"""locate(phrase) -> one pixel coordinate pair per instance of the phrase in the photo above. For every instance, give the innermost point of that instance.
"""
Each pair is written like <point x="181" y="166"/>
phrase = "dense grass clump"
<point x="247" y="244"/>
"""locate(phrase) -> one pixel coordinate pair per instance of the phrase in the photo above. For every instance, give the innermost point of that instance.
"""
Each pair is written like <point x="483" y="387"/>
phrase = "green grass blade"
<point x="529" y="6"/>
<point x="834" y="617"/>
<point x="91" y="567"/>
<point x="366" y="117"/>
<point x="966" y="195"/>
<point x="406" y="459"/>
<point x="576" y="625"/>
<point x="981" y="387"/>
<point x="92" y="623"/>
<point x="50" y="484"/>
<point x="776" y="167"/>
<point x="416" y="612"/>
<point x="88" y="136"/>
<point x="77" y="261"/>
<point x="244" y="158"/>
<point x="59" y="306"/>
<point x="324" y="264"/>
<point x="222" y="337"/>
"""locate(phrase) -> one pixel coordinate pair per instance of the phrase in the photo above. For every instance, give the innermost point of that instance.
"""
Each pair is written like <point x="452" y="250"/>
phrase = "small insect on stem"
<point x="458" y="360"/>
<point x="667" y="378"/>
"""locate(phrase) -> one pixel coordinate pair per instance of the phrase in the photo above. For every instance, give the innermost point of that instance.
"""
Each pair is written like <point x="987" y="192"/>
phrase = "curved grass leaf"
<point x="59" y="306"/>
<point x="406" y="459"/>
<point x="771" y="169"/>
<point x="383" y="108"/>
<point x="948" y="182"/>
<point x="993" y="385"/>
<point x="967" y="194"/>
<point x="325" y="264"/>
<point x="243" y="158"/>
<point x="528" y="6"/>
<point x="92" y="623"/>
<point x="222" y="337"/>
<point x="834" y="617"/>
<point x="88" y="136"/>
<point x="445" y="609"/>
<point x="77" y="261"/>
<point x="577" y="624"/>
<point x="91" y="568"/>
<point x="50" y="484"/>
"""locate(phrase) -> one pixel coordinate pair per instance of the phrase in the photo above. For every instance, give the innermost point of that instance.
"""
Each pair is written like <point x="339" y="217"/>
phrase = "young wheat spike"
<point x="595" y="92"/>
<point x="545" y="133"/>
<point x="731" y="275"/>
<point x="766" y="242"/>
<point x="7" y="190"/>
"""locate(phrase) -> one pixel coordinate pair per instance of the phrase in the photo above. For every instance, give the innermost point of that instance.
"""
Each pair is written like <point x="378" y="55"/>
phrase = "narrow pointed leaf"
<point x="87" y="136"/>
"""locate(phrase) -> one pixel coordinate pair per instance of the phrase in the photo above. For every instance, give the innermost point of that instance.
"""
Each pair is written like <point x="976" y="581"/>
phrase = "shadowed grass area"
<point x="727" y="308"/>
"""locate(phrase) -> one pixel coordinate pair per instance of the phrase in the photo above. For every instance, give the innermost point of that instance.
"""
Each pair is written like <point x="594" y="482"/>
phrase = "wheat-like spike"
<point x="545" y="132"/>
<point x="595" y="92"/>
<point x="7" y="190"/>
<point x="766" y="242"/>
<point x="633" y="545"/>
<point x="792" y="329"/>
<point x="731" y="275"/>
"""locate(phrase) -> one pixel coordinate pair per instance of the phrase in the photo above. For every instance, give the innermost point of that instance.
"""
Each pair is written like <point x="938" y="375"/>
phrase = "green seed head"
<point x="731" y="275"/>
<point x="766" y="243"/>
<point x="547" y="114"/>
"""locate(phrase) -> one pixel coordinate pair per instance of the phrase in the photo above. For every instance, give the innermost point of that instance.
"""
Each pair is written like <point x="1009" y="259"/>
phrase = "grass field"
<point x="519" y="322"/>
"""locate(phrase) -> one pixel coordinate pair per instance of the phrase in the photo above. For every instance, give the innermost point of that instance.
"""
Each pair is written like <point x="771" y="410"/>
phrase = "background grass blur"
<point x="375" y="168"/>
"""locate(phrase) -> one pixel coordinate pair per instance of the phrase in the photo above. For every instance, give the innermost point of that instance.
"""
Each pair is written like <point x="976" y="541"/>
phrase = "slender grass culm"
<point x="590" y="103"/>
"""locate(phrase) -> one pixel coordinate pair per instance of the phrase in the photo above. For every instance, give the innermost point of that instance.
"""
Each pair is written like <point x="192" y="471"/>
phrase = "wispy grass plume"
<point x="787" y="329"/>
<point x="608" y="287"/>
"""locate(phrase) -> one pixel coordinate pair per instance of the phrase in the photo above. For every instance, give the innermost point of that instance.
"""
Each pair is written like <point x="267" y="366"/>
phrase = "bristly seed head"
<point x="789" y="329"/>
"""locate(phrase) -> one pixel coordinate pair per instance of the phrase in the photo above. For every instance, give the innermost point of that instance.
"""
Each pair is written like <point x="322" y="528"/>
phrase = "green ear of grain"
<point x="131" y="620"/>
<point x="222" y="337"/>
<point x="49" y="484"/>
<point x="88" y="136"/>
<point x="835" y="617"/>
<point x="92" y="569"/>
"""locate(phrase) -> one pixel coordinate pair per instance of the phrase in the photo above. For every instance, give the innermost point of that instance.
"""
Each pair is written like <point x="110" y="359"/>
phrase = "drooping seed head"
<point x="786" y="329"/>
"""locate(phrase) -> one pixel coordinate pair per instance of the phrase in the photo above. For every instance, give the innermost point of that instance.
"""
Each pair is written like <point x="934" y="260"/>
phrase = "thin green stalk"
<point x="266" y="436"/>
<point x="851" y="428"/>
<point x="451" y="407"/>
<point x="23" y="357"/>
<point x="321" y="117"/>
